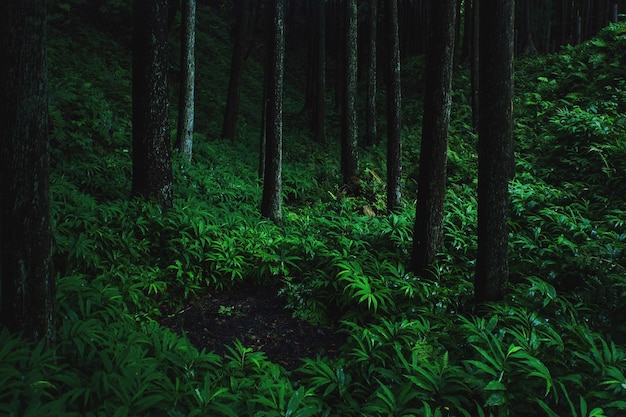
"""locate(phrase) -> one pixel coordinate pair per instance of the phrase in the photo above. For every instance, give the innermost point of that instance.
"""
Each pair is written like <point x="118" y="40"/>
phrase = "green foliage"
<point x="414" y="345"/>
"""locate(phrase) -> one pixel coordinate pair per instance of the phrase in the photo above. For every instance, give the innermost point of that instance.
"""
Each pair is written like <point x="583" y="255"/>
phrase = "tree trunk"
<point x="339" y="50"/>
<point x="394" y="107"/>
<point x="348" y="114"/>
<point x="526" y="33"/>
<point x="495" y="148"/>
<point x="27" y="282"/>
<point x="184" y="137"/>
<point x="229" y="126"/>
<point x="318" y="116"/>
<point x="310" y="10"/>
<point x="475" y="64"/>
<point x="271" y="205"/>
<point x="466" y="46"/>
<point x="152" y="165"/>
<point x="428" y="231"/>
<point x="370" y="120"/>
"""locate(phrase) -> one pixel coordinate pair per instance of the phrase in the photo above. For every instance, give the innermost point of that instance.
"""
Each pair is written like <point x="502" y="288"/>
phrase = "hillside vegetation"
<point x="414" y="346"/>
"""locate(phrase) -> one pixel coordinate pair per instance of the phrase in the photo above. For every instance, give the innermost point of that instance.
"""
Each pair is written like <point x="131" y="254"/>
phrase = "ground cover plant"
<point x="403" y="345"/>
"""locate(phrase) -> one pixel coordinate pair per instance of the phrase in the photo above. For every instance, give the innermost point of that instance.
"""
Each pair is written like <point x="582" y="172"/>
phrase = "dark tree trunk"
<point x="495" y="148"/>
<point x="457" y="32"/>
<point x="310" y="38"/>
<point x="466" y="45"/>
<point x="318" y="116"/>
<point x="271" y="205"/>
<point x="475" y="63"/>
<point x="263" y="133"/>
<point x="614" y="12"/>
<point x="394" y="107"/>
<point x="152" y="165"/>
<point x="339" y="49"/>
<point x="184" y="136"/>
<point x="370" y="119"/>
<point x="526" y="39"/>
<point x="236" y="70"/>
<point x="26" y="278"/>
<point x="348" y="114"/>
<point x="412" y="26"/>
<point x="428" y="232"/>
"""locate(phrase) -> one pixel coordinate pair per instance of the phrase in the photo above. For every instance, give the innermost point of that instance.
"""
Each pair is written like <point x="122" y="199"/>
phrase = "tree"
<point x="315" y="94"/>
<point x="271" y="204"/>
<point x="26" y="277"/>
<point x="318" y="115"/>
<point x="236" y="69"/>
<point x="495" y="148"/>
<point x="152" y="166"/>
<point x="394" y="107"/>
<point x="184" y="137"/>
<point x="370" y="119"/>
<point x="337" y="45"/>
<point x="428" y="231"/>
<point x="348" y="114"/>
<point x="526" y="32"/>
<point x="475" y="63"/>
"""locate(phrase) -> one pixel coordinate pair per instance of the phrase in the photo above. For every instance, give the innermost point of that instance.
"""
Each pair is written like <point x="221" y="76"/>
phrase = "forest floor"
<point x="255" y="316"/>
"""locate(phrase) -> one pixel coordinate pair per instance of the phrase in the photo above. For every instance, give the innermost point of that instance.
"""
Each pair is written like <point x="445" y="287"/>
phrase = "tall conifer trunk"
<point x="371" y="135"/>
<point x="318" y="117"/>
<point x="394" y="107"/>
<point x="26" y="276"/>
<point x="184" y="138"/>
<point x="349" y="127"/>
<point x="152" y="164"/>
<point x="229" y="127"/>
<point x="271" y="204"/>
<point x="495" y="148"/>
<point x="428" y="231"/>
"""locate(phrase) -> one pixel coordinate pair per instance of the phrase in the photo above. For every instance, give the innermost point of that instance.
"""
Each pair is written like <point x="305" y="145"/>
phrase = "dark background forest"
<point x="265" y="258"/>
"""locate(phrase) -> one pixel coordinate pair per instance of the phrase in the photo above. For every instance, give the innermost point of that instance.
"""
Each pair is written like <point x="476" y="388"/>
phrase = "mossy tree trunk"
<point x="428" y="231"/>
<point x="26" y="276"/>
<point x="271" y="204"/>
<point x="152" y="164"/>
<point x="184" y="137"/>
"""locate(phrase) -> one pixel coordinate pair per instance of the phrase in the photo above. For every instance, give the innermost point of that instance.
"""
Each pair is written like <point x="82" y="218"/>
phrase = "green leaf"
<point x="495" y="386"/>
<point x="294" y="401"/>
<point x="483" y="367"/>
<point x="496" y="398"/>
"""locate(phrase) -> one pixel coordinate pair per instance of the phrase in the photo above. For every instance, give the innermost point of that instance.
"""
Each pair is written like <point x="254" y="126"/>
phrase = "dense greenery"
<point x="415" y="346"/>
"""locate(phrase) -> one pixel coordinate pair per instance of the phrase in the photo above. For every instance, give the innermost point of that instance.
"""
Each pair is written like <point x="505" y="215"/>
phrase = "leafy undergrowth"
<point x="411" y="345"/>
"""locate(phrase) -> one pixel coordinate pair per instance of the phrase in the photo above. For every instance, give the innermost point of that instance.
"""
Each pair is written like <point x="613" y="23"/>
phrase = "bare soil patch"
<point x="256" y="316"/>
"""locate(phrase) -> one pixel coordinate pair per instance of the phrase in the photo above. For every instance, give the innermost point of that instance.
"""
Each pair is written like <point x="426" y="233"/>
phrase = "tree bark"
<point x="27" y="282"/>
<point x="318" y="116"/>
<point x="394" y="107"/>
<point x="152" y="164"/>
<point x="338" y="43"/>
<point x="229" y="126"/>
<point x="495" y="148"/>
<point x="349" y="128"/>
<point x="271" y="205"/>
<point x="428" y="231"/>
<point x="371" y="136"/>
<point x="184" y="138"/>
<point x="475" y="64"/>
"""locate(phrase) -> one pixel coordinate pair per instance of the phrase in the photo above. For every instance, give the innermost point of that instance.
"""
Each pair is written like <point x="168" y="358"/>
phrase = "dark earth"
<point x="256" y="316"/>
